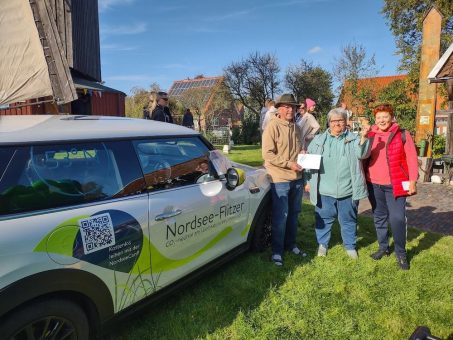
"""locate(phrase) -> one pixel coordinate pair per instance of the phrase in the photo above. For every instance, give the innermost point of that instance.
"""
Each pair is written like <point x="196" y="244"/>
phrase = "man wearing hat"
<point x="280" y="147"/>
<point x="161" y="112"/>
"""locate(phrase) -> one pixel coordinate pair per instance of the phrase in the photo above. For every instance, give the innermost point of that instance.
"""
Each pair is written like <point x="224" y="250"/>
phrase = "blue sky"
<point x="146" y="41"/>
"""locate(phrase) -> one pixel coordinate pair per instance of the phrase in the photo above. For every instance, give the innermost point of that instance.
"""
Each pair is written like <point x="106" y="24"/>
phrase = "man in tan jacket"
<point x="280" y="147"/>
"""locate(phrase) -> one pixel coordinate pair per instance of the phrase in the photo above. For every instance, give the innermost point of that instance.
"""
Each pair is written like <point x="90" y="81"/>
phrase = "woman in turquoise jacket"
<point x="339" y="184"/>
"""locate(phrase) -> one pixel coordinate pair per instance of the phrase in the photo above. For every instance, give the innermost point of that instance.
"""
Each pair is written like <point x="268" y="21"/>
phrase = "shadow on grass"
<point x="365" y="234"/>
<point x="213" y="302"/>
<point x="426" y="240"/>
<point x="426" y="229"/>
<point x="246" y="147"/>
<point x="219" y="298"/>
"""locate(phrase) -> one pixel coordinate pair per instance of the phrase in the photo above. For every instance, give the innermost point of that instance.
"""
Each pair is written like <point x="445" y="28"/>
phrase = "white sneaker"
<point x="277" y="259"/>
<point x="352" y="253"/>
<point x="322" y="251"/>
<point x="297" y="251"/>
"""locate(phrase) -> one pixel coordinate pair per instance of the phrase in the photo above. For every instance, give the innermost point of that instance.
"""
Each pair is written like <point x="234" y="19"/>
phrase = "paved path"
<point x="430" y="209"/>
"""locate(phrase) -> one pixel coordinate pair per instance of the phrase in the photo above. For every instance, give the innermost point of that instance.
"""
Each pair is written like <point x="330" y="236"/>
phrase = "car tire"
<point x="262" y="232"/>
<point x="47" y="319"/>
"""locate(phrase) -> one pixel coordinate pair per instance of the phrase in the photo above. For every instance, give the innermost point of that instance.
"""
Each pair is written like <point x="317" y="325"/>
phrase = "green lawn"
<point x="247" y="154"/>
<point x="332" y="297"/>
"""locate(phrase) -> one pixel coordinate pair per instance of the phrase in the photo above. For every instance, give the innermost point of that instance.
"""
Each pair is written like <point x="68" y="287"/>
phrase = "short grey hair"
<point x="338" y="111"/>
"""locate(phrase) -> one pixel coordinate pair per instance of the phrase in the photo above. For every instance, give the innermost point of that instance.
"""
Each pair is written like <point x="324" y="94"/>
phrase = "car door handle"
<point x="164" y="216"/>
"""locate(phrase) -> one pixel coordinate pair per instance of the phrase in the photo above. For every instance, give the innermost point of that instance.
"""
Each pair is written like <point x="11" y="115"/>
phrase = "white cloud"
<point x="136" y="28"/>
<point x="105" y="4"/>
<point x="117" y="47"/>
<point x="229" y="16"/>
<point x="314" y="50"/>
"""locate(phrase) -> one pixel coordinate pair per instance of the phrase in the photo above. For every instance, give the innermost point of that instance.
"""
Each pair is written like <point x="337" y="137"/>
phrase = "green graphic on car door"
<point x="129" y="253"/>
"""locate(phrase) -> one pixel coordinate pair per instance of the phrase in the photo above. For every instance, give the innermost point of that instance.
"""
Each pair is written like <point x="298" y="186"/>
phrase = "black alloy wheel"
<point x="48" y="319"/>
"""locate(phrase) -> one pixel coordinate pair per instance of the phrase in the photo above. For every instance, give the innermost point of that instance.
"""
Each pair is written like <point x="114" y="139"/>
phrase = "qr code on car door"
<point x="97" y="233"/>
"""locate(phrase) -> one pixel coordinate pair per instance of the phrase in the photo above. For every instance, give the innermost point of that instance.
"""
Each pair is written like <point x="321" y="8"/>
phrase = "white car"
<point x="99" y="215"/>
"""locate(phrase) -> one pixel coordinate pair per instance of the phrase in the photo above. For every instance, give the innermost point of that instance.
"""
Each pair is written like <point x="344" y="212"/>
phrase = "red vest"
<point x="396" y="160"/>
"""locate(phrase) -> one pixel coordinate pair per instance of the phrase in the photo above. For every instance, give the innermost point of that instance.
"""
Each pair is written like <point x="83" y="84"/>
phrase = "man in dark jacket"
<point x="162" y="112"/>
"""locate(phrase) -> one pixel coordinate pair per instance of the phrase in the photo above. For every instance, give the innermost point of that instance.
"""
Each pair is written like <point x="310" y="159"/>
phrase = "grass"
<point x="332" y="297"/>
<point x="247" y="154"/>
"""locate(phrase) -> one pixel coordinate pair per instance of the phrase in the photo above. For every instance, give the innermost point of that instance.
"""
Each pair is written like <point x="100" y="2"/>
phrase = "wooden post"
<point x="427" y="94"/>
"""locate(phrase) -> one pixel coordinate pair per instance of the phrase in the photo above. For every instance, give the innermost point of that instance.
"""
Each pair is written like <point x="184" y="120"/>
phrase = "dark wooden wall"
<point x="85" y="38"/>
<point x="78" y="27"/>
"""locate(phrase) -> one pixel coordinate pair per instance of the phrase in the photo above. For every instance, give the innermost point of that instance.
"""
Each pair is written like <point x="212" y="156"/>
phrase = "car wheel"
<point x="262" y="232"/>
<point x="47" y="319"/>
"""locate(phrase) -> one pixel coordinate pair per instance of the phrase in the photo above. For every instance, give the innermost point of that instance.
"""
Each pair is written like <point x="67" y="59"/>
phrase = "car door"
<point x="193" y="217"/>
<point x="78" y="206"/>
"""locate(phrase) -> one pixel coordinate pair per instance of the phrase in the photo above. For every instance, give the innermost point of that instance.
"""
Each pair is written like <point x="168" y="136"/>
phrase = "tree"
<point x="253" y="80"/>
<point x="195" y="99"/>
<point x="405" y="19"/>
<point x="136" y="102"/>
<point x="220" y="102"/>
<point x="207" y="103"/>
<point x="397" y="94"/>
<point x="308" y="81"/>
<point x="354" y="64"/>
<point x="139" y="99"/>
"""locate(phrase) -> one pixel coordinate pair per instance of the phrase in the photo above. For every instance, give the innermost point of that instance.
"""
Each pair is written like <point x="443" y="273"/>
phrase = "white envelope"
<point x="405" y="185"/>
<point x="308" y="161"/>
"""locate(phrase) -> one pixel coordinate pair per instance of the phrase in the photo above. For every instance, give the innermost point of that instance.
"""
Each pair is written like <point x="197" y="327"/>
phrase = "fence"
<point x="218" y="135"/>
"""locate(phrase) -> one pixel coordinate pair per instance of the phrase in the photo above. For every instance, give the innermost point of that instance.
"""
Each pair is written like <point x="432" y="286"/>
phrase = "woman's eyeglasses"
<point x="338" y="121"/>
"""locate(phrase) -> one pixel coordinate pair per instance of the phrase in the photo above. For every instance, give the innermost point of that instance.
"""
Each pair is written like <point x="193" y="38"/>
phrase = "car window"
<point x="170" y="163"/>
<point x="6" y="153"/>
<point x="41" y="177"/>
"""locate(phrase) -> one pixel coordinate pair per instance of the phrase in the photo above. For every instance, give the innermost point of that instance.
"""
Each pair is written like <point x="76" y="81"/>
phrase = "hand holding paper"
<point x="308" y="161"/>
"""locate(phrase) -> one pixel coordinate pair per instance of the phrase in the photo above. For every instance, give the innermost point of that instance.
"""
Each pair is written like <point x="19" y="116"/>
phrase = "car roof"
<point x="47" y="128"/>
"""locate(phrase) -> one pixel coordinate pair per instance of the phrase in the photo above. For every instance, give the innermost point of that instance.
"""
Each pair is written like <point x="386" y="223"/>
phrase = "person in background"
<point x="162" y="112"/>
<point x="391" y="173"/>
<point x="271" y="112"/>
<point x="266" y="113"/>
<point x="301" y="110"/>
<point x="336" y="188"/>
<point x="187" y="119"/>
<point x="146" y="113"/>
<point x="280" y="148"/>
<point x="349" y="112"/>
<point x="263" y="114"/>
<point x="307" y="123"/>
<point x="150" y="106"/>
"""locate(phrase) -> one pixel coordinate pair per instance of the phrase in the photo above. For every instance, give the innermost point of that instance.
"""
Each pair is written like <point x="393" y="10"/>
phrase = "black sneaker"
<point x="402" y="262"/>
<point x="380" y="254"/>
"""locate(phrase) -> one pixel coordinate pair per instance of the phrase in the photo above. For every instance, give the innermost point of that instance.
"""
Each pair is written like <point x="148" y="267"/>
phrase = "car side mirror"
<point x="234" y="178"/>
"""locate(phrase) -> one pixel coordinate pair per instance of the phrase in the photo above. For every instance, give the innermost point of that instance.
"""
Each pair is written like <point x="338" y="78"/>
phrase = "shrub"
<point x="250" y="128"/>
<point x="236" y="135"/>
<point x="438" y="146"/>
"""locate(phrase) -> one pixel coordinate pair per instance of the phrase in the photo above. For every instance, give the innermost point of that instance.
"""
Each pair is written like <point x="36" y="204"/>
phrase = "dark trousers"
<point x="388" y="209"/>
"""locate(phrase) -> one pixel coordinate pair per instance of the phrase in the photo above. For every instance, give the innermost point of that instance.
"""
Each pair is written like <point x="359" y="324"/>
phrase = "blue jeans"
<point x="327" y="210"/>
<point x="286" y="206"/>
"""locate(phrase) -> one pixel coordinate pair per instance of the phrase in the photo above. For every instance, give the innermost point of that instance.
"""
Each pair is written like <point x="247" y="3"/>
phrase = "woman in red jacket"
<point x="391" y="173"/>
